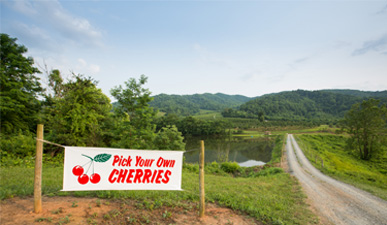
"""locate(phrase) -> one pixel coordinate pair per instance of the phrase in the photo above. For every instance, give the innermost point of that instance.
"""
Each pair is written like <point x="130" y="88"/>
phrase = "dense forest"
<point x="300" y="105"/>
<point x="188" y="105"/>
<point x="325" y="105"/>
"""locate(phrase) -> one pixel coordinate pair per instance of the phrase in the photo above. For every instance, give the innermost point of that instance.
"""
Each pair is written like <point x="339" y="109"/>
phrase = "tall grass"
<point x="344" y="164"/>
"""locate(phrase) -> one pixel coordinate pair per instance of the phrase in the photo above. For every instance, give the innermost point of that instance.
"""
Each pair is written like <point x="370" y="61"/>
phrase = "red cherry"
<point x="83" y="179"/>
<point x="78" y="170"/>
<point x="95" y="178"/>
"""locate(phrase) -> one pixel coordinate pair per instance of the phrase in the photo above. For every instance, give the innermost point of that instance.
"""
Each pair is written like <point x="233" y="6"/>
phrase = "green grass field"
<point x="208" y="115"/>
<point x="267" y="194"/>
<point x="345" y="165"/>
<point x="275" y="199"/>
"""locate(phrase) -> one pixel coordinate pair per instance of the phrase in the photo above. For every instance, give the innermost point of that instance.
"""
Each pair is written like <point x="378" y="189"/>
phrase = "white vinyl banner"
<point x="87" y="168"/>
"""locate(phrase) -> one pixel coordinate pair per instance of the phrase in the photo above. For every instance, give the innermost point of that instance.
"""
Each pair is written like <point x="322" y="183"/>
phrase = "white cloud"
<point x="87" y="68"/>
<point x="94" y="68"/>
<point x="25" y="7"/>
<point x="51" y="15"/>
<point x="36" y="37"/>
<point x="82" y="63"/>
<point x="378" y="45"/>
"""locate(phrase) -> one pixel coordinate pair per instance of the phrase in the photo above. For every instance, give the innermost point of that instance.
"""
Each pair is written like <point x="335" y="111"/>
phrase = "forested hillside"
<point x="325" y="105"/>
<point x="300" y="105"/>
<point x="185" y="105"/>
<point x="357" y="93"/>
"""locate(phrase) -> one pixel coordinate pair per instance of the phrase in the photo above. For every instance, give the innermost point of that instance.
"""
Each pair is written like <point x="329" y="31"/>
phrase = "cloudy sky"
<point x="185" y="47"/>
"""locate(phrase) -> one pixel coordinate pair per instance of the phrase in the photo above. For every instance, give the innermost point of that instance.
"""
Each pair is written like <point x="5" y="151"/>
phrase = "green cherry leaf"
<point x="102" y="157"/>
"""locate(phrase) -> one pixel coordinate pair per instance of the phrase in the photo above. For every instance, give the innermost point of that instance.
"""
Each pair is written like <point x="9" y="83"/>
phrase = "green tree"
<point x="76" y="111"/>
<point x="366" y="123"/>
<point x="19" y="88"/>
<point x="134" y="116"/>
<point x="169" y="138"/>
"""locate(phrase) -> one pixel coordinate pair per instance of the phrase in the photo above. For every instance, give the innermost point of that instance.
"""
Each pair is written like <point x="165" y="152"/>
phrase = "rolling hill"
<point x="322" y="105"/>
<point x="185" y="105"/>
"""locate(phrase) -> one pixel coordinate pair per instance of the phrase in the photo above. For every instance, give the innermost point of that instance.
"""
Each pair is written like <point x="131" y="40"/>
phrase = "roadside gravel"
<point x="336" y="202"/>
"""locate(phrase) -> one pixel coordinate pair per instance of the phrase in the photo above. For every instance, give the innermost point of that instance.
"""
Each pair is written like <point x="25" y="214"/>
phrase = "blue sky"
<point x="186" y="47"/>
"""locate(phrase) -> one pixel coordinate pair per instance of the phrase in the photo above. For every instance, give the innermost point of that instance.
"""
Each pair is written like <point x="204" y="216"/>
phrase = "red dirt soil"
<point x="73" y="210"/>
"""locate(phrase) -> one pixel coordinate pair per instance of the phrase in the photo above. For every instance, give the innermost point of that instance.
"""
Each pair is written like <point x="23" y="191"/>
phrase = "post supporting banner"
<point x="202" y="203"/>
<point x="38" y="171"/>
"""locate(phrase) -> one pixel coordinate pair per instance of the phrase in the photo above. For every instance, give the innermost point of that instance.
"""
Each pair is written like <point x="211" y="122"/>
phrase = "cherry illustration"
<point x="83" y="179"/>
<point x="78" y="170"/>
<point x="95" y="178"/>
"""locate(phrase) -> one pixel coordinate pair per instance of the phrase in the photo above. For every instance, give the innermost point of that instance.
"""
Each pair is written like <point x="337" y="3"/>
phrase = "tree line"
<point x="75" y="112"/>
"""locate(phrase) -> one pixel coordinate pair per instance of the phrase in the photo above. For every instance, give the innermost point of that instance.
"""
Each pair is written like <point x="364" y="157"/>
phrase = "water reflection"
<point x="246" y="152"/>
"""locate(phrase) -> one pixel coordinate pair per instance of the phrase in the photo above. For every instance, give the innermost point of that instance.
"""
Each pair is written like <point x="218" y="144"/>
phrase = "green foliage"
<point x="133" y="116"/>
<point x="76" y="111"/>
<point x="18" y="144"/>
<point x="169" y="138"/>
<point x="175" y="104"/>
<point x="19" y="89"/>
<point x="366" y="122"/>
<point x="276" y="153"/>
<point x="189" y="105"/>
<point x="230" y="167"/>
<point x="303" y="105"/>
<point x="195" y="127"/>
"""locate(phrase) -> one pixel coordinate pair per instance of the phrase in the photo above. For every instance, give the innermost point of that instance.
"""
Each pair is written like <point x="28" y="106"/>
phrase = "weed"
<point x="229" y="222"/>
<point x="167" y="214"/>
<point x="64" y="220"/>
<point x="107" y="216"/>
<point x="60" y="210"/>
<point x="131" y="220"/>
<point x="75" y="204"/>
<point x="146" y="219"/>
<point x="42" y="219"/>
<point x="98" y="203"/>
<point x="92" y="221"/>
<point x="114" y="213"/>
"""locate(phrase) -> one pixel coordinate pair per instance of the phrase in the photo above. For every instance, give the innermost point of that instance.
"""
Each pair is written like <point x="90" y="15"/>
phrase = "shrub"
<point x="20" y="144"/>
<point x="230" y="167"/>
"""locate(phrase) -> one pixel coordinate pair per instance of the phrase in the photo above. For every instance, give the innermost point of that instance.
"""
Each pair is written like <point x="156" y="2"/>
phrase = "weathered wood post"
<point x="201" y="180"/>
<point x="38" y="170"/>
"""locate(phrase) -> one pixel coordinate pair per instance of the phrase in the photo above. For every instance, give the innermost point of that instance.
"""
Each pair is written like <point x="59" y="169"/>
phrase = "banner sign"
<point x="87" y="168"/>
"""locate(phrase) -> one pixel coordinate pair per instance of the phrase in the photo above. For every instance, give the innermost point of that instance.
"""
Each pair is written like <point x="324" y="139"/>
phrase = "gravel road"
<point x="335" y="201"/>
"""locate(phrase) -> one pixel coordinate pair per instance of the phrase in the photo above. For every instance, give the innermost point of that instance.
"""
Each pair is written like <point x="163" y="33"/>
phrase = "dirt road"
<point x="335" y="201"/>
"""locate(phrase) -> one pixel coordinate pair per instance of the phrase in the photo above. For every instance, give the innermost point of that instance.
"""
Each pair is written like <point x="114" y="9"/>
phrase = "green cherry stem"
<point x="86" y="163"/>
<point x="88" y="157"/>
<point x="92" y="162"/>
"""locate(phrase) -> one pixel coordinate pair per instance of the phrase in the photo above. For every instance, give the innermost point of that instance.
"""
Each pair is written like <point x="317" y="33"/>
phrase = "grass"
<point x="345" y="165"/>
<point x="273" y="198"/>
<point x="208" y="115"/>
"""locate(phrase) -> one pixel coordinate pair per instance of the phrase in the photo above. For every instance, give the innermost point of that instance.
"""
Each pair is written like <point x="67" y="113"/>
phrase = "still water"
<point x="245" y="151"/>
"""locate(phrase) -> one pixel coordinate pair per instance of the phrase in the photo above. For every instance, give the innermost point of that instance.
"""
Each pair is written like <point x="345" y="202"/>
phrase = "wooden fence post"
<point x="38" y="170"/>
<point x="201" y="180"/>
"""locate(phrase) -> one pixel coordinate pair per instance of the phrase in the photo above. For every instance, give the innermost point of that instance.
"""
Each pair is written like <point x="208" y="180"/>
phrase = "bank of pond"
<point x="246" y="151"/>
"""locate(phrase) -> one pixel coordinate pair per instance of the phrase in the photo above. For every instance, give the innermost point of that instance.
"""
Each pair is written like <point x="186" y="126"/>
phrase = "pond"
<point x="245" y="151"/>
